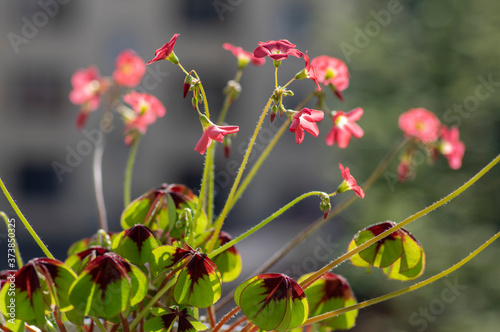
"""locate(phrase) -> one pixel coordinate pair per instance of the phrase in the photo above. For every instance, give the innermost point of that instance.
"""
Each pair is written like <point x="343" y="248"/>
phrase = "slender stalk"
<point x="98" y="323"/>
<point x="407" y="289"/>
<point x="265" y="154"/>
<point x="259" y="162"/>
<point x="307" y="282"/>
<point x="224" y="319"/>
<point x="228" y="100"/>
<point x="211" y="316"/>
<point x="211" y="184"/>
<point x="225" y="210"/>
<point x="124" y="323"/>
<point x="203" y="190"/>
<point x="99" y="195"/>
<point x="25" y="222"/>
<point x="128" y="173"/>
<point x="236" y="323"/>
<point x="10" y="230"/>
<point x="205" y="102"/>
<point x="155" y="298"/>
<point x="276" y="77"/>
<point x="264" y="222"/>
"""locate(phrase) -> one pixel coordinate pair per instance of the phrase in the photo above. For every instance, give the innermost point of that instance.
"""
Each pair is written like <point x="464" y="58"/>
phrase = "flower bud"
<point x="274" y="110"/>
<point x="227" y="146"/>
<point x="188" y="81"/>
<point x="325" y="206"/>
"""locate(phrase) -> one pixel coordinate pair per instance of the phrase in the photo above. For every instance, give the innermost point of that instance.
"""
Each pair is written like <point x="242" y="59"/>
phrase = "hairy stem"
<point x="25" y="222"/>
<point x="11" y="230"/>
<point x="99" y="195"/>
<point x="128" y="173"/>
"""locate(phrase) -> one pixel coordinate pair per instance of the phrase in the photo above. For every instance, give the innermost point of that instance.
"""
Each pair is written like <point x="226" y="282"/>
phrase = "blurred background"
<point x="441" y="55"/>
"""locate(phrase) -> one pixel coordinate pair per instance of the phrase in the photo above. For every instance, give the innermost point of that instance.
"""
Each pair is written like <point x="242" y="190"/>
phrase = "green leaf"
<point x="78" y="261"/>
<point x="142" y="210"/>
<point x="62" y="278"/>
<point x="399" y="255"/>
<point x="329" y="293"/>
<point x="166" y="318"/>
<point x="228" y="262"/>
<point x="199" y="284"/>
<point x="107" y="286"/>
<point x="272" y="302"/>
<point x="136" y="244"/>
<point x="164" y="258"/>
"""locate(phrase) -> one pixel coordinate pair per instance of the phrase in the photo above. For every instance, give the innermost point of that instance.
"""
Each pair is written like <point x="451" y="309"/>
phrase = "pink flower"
<point x="308" y="72"/>
<point x="87" y="89"/>
<point x="332" y="71"/>
<point x="305" y="120"/>
<point x="349" y="183"/>
<point x="146" y="109"/>
<point x="451" y="147"/>
<point x="212" y="132"/>
<point x="420" y="124"/>
<point x="405" y="170"/>
<point x="130" y="68"/>
<point x="244" y="57"/>
<point x="344" y="127"/>
<point x="276" y="49"/>
<point x="166" y="52"/>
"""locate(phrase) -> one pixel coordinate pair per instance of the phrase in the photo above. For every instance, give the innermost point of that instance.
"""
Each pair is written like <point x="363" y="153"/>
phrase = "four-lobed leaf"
<point x="272" y="301"/>
<point x="400" y="255"/>
<point x="229" y="261"/>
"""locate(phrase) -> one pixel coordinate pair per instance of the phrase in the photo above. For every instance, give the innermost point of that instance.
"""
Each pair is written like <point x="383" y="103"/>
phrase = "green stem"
<point x="150" y="304"/>
<point x="205" y="102"/>
<point x="276" y="77"/>
<point x="225" y="210"/>
<point x="25" y="222"/>
<point x="99" y="195"/>
<point x="229" y="99"/>
<point x="405" y="290"/>
<point x="259" y="162"/>
<point x="211" y="183"/>
<point x="307" y="282"/>
<point x="11" y="230"/>
<point x="203" y="190"/>
<point x="264" y="222"/>
<point x="98" y="323"/>
<point x="128" y="172"/>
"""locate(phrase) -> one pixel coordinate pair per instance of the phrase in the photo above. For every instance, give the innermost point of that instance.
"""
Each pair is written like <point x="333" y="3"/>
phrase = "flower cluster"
<point x="89" y="87"/>
<point x="423" y="129"/>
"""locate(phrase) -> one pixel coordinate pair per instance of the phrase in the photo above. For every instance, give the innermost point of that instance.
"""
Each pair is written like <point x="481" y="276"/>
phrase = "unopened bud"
<point x="325" y="206"/>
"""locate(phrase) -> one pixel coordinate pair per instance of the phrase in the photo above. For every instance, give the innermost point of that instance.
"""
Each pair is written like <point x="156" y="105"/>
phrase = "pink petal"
<point x="203" y="143"/>
<point x="355" y="114"/>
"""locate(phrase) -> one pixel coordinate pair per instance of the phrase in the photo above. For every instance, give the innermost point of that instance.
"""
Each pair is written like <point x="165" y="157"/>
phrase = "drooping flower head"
<point x="212" y="132"/>
<point x="276" y="50"/>
<point x="88" y="86"/>
<point x="130" y="68"/>
<point x="349" y="183"/>
<point x="146" y="109"/>
<point x="166" y="52"/>
<point x="331" y="71"/>
<point x="344" y="126"/>
<point x="451" y="147"/>
<point x="244" y="57"/>
<point x="421" y="124"/>
<point x="306" y="120"/>
<point x="308" y="72"/>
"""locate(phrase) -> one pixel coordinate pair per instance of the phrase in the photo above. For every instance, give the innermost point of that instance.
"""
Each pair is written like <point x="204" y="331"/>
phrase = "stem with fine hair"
<point x="128" y="172"/>
<point x="99" y="195"/>
<point x="11" y="230"/>
<point x="225" y="209"/>
<point x="265" y="222"/>
<point x="405" y="290"/>
<point x="25" y="222"/>
<point x="316" y="275"/>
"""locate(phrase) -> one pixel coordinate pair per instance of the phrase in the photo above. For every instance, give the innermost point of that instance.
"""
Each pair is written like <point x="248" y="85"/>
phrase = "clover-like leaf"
<point x="136" y="243"/>
<point x="36" y="288"/>
<point x="272" y="301"/>
<point x="199" y="284"/>
<point x="228" y="262"/>
<point x="154" y="209"/>
<point x="107" y="286"/>
<point x="166" y="258"/>
<point x="400" y="255"/>
<point x="329" y="293"/>
<point x="165" y="319"/>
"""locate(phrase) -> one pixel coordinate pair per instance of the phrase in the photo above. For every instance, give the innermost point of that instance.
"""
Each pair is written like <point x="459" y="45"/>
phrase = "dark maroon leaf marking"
<point x="138" y="234"/>
<point x="107" y="269"/>
<point x="27" y="280"/>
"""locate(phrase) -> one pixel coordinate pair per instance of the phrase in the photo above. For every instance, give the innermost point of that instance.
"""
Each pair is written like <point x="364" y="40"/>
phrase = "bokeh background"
<point x="401" y="54"/>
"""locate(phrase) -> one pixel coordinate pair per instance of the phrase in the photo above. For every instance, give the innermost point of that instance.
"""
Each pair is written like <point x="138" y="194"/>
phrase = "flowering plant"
<point x="164" y="270"/>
